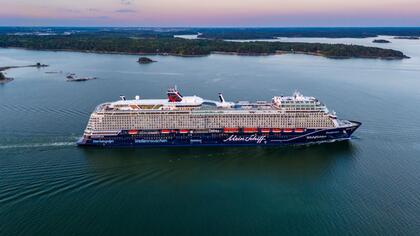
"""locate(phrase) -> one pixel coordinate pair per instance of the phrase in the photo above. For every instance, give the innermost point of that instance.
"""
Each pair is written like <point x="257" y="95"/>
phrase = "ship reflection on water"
<point x="293" y="161"/>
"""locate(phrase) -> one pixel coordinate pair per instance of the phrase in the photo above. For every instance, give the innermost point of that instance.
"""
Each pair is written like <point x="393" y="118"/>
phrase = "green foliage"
<point x="186" y="47"/>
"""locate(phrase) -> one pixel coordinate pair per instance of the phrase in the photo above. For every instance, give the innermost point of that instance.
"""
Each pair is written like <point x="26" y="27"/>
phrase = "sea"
<point x="369" y="185"/>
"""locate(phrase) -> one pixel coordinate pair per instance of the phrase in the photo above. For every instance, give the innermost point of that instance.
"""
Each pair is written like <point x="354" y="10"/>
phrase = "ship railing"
<point x="344" y="123"/>
<point x="101" y="107"/>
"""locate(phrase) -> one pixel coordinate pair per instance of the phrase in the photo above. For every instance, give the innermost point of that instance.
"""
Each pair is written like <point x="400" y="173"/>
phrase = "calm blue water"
<point x="370" y="185"/>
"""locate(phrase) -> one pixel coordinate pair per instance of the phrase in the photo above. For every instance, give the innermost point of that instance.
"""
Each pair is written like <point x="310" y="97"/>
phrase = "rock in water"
<point x="381" y="41"/>
<point x="39" y="65"/>
<point x="145" y="60"/>
<point x="4" y="79"/>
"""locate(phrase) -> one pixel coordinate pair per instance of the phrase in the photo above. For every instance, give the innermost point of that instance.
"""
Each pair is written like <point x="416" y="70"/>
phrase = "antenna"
<point x="221" y="98"/>
<point x="174" y="95"/>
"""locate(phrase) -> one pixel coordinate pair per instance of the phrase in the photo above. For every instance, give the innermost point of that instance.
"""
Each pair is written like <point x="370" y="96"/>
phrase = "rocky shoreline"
<point x="232" y="53"/>
<point x="4" y="79"/>
<point x="75" y="78"/>
<point x="37" y="65"/>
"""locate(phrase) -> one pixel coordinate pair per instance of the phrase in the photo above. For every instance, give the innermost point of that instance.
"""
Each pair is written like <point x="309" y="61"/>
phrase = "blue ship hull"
<point x="124" y="139"/>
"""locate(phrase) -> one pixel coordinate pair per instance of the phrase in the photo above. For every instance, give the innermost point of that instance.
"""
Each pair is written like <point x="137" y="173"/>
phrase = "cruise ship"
<point x="193" y="121"/>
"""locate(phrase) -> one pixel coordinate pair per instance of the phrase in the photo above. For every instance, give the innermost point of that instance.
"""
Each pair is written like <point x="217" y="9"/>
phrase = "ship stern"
<point x="81" y="141"/>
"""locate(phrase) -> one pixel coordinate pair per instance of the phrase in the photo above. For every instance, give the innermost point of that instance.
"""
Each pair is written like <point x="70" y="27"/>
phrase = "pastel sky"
<point x="210" y="12"/>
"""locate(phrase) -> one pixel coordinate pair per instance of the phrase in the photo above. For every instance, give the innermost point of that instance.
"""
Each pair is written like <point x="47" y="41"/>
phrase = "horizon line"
<point x="102" y="26"/>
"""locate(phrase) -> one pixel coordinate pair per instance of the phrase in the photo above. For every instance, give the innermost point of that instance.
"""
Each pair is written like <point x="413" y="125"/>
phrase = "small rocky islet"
<point x="4" y="79"/>
<point x="381" y="41"/>
<point x="74" y="78"/>
<point x="70" y="77"/>
<point x="145" y="60"/>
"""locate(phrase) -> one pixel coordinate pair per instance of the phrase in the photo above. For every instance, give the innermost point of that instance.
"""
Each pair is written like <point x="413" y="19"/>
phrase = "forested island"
<point x="145" y="60"/>
<point x="187" y="47"/>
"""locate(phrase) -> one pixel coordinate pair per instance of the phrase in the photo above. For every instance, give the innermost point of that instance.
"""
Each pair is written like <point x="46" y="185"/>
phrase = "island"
<point x="190" y="47"/>
<point x="145" y="60"/>
<point x="407" y="37"/>
<point x="74" y="78"/>
<point x="381" y="41"/>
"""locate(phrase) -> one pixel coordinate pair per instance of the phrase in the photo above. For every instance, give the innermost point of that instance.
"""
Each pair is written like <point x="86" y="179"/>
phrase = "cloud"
<point x="93" y="9"/>
<point x="69" y="10"/>
<point x="125" y="11"/>
<point x="126" y="2"/>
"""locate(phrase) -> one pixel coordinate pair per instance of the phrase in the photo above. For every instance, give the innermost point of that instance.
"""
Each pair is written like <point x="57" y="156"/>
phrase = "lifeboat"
<point x="132" y="132"/>
<point x="276" y="130"/>
<point x="265" y="130"/>
<point x="299" y="130"/>
<point x="165" y="131"/>
<point x="250" y="130"/>
<point x="288" y="130"/>
<point x="230" y="130"/>
<point x="183" y="131"/>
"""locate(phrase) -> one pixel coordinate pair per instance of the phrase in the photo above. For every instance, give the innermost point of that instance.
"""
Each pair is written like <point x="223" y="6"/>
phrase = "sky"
<point x="208" y="13"/>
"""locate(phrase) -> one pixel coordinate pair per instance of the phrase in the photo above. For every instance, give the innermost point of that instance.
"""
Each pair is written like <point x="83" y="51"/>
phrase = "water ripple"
<point x="37" y="145"/>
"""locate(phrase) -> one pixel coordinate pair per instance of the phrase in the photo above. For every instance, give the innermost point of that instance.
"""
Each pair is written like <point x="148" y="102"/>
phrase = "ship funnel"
<point x="174" y="95"/>
<point x="221" y="98"/>
<point x="122" y="97"/>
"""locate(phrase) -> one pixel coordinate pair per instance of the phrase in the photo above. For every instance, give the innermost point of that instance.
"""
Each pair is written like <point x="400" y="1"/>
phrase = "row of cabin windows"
<point x="194" y="123"/>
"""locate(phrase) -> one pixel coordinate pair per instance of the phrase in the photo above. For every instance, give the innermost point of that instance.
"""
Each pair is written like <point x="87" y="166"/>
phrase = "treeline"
<point x="185" y="47"/>
<point x="324" y="32"/>
<point x="219" y="33"/>
<point x="146" y="32"/>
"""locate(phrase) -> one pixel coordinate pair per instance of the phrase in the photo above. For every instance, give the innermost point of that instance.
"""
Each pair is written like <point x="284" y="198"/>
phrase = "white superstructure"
<point x="196" y="114"/>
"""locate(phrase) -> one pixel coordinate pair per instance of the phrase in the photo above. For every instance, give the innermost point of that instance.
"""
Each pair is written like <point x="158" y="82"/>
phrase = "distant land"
<point x="187" y="47"/>
<point x="407" y="37"/>
<point x="340" y="32"/>
<point x="211" y="40"/>
<point x="219" y="33"/>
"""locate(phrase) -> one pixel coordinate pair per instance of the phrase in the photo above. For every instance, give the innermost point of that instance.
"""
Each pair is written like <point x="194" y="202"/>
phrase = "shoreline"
<point x="9" y="79"/>
<point x="6" y="80"/>
<point x="4" y="68"/>
<point x="201" y="55"/>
